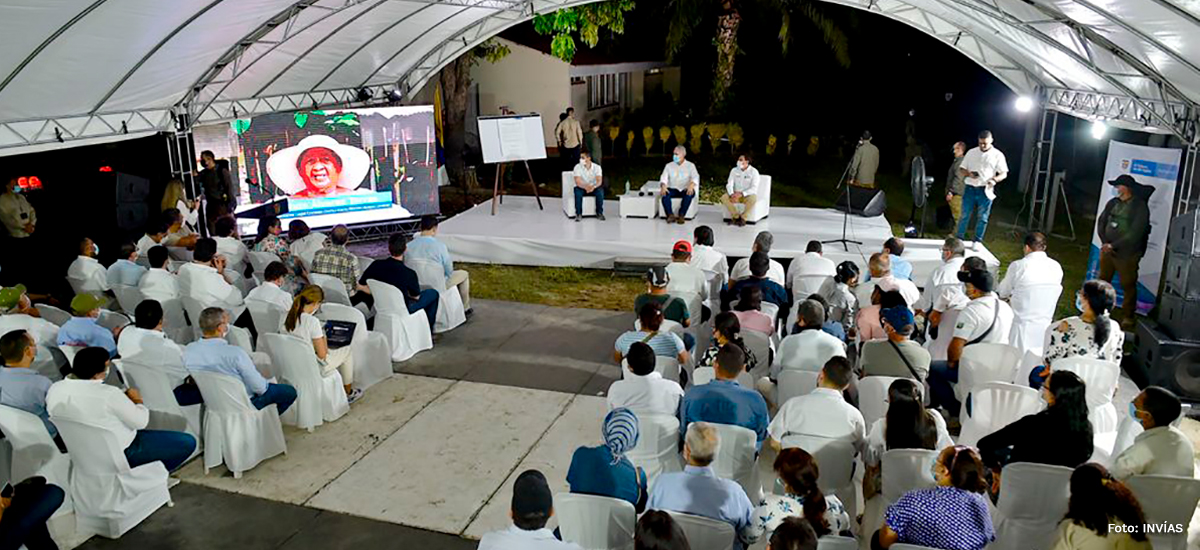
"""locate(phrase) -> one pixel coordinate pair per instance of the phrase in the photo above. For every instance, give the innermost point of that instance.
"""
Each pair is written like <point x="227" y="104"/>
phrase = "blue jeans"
<point x="24" y="523"/>
<point x="597" y="192"/>
<point x="280" y="395"/>
<point x="941" y="390"/>
<point x="675" y="194"/>
<point x="428" y="301"/>
<point x="170" y="448"/>
<point x="974" y="200"/>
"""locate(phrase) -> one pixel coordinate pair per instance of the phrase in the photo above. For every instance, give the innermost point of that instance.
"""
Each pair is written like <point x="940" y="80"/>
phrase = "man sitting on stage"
<point x="679" y="179"/>
<point x="742" y="187"/>
<point x="589" y="181"/>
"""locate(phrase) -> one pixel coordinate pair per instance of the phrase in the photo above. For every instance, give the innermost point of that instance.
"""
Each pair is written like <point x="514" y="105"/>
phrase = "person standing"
<point x="589" y="181"/>
<point x="955" y="183"/>
<point x="592" y="142"/>
<point x="220" y="194"/>
<point x="982" y="168"/>
<point x="679" y="179"/>
<point x="865" y="163"/>
<point x="1124" y="229"/>
<point x="570" y="135"/>
<point x="741" y="188"/>
<point x="19" y="218"/>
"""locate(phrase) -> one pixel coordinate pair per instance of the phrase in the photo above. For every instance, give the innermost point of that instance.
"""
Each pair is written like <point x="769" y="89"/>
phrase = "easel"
<point x="498" y="190"/>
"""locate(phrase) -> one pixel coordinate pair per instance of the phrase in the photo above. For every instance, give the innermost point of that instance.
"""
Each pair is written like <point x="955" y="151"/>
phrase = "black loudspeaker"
<point x="1179" y="317"/>
<point x="1182" y="277"/>
<point x="1184" y="238"/>
<point x="863" y="202"/>
<point x="1169" y="363"/>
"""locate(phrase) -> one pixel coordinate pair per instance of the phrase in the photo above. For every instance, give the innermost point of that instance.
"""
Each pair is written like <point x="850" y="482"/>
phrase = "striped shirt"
<point x="664" y="344"/>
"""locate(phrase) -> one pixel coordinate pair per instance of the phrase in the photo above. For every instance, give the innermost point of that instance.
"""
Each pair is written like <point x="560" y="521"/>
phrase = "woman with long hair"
<point x="839" y="294"/>
<point x="1093" y="333"/>
<point x="304" y="243"/>
<point x="1098" y="502"/>
<point x="174" y="196"/>
<point x="907" y="425"/>
<point x="1060" y="435"/>
<point x="799" y="473"/>
<point x="726" y="329"/>
<point x="657" y="530"/>
<point x="270" y="239"/>
<point x="301" y="321"/>
<point x="951" y="516"/>
<point x="749" y="311"/>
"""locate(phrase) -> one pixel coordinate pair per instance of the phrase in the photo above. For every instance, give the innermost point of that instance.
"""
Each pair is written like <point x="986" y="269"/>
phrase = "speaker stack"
<point x="864" y="201"/>
<point x="1170" y="351"/>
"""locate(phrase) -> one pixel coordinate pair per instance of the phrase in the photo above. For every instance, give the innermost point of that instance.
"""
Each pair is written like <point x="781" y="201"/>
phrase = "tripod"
<point x="843" y="182"/>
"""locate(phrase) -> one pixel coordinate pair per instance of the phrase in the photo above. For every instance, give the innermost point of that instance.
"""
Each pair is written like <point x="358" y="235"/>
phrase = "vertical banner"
<point x="1154" y="166"/>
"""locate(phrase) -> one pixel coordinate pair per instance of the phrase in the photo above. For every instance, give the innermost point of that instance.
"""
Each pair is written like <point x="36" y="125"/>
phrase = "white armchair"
<point x="762" y="205"/>
<point x="568" y="198"/>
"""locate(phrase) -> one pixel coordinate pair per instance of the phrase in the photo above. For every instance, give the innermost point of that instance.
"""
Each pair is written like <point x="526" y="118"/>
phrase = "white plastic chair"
<point x="1033" y="311"/>
<point x="905" y="470"/>
<point x="406" y="333"/>
<point x="158" y="395"/>
<point x="193" y="308"/>
<point x="1100" y="379"/>
<point x="235" y="432"/>
<point x="335" y="289"/>
<point x="835" y="458"/>
<point x="175" y="323"/>
<point x="112" y="320"/>
<point x="372" y="355"/>
<point x="873" y="397"/>
<point x="760" y="345"/>
<point x="995" y="405"/>
<point x="69" y="352"/>
<point x="657" y="450"/>
<point x="128" y="297"/>
<point x="33" y="451"/>
<point x="794" y="382"/>
<point x="450" y="312"/>
<point x="704" y="375"/>
<point x="1167" y="500"/>
<point x="667" y="367"/>
<point x="260" y="260"/>
<point x="268" y="317"/>
<point x="985" y="362"/>
<point x="319" y="398"/>
<point x="705" y="533"/>
<point x="837" y="542"/>
<point x="53" y="314"/>
<point x="736" y="456"/>
<point x="937" y="347"/>
<point x="110" y="498"/>
<point x="595" y="523"/>
<point x="1033" y="499"/>
<point x="568" y="198"/>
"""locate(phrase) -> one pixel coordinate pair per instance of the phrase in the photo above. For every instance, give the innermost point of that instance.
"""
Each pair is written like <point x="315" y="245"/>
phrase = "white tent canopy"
<point x="83" y="70"/>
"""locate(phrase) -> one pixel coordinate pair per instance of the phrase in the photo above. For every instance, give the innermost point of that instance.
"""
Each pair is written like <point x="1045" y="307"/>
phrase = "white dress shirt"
<point x="589" y="176"/>
<point x="687" y="279"/>
<point x="160" y="285"/>
<point x="125" y="272"/>
<point x="708" y="259"/>
<point x="95" y="403"/>
<point x="680" y="175"/>
<point x="271" y="293"/>
<point x="1164" y="450"/>
<point x="151" y="348"/>
<point x="1036" y="268"/>
<point x="976" y="317"/>
<point x="741" y="270"/>
<point x="234" y="251"/>
<point x="907" y="289"/>
<point x="144" y="245"/>
<point x="810" y="264"/>
<point x="807" y="350"/>
<point x="988" y="165"/>
<point x="515" y="538"/>
<point x="650" y="393"/>
<point x="943" y="276"/>
<point x="742" y="181"/>
<point x="821" y="413"/>
<point x="89" y="274"/>
<point x="307" y="247"/>
<point x="209" y="287"/>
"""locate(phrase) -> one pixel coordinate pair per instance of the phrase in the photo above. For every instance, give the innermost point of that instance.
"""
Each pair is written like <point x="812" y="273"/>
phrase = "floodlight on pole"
<point x="1024" y="104"/>
<point x="1099" y="128"/>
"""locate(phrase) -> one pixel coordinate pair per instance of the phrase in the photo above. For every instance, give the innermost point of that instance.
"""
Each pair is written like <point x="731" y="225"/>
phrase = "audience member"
<point x="898" y="355"/>
<point x="907" y="425"/>
<point x="85" y="273"/>
<point x="270" y="240"/>
<point x="772" y="291"/>
<point x="810" y="266"/>
<point x="1060" y="435"/>
<point x="124" y="271"/>
<point x="869" y="324"/>
<point x="951" y="298"/>
<point x="334" y="260"/>
<point x="1036" y="268"/>
<point x="793" y="533"/>
<point x="901" y="268"/>
<point x="685" y="279"/>
<point x="762" y="243"/>
<point x="1092" y="334"/>
<point x="305" y="243"/>
<point x="802" y="498"/>
<point x="643" y="389"/>
<point x="86" y="399"/>
<point x="393" y="272"/>
<point x="1162" y="449"/>
<point x="723" y="401"/>
<point x="741" y="187"/>
<point x="952" y="515"/>
<point x="532" y="507"/>
<point x="271" y="290"/>
<point x="839" y="294"/>
<point x="673" y="308"/>
<point x="178" y="233"/>
<point x="159" y="283"/>
<point x="302" y="322"/>
<point x="83" y="331"/>
<point x="229" y="245"/>
<point x="986" y="319"/>
<point x="26" y="515"/>
<point x="727" y="329"/>
<point x="809" y="348"/>
<point x="15" y="301"/>
<point x="822" y="412"/>
<point x="145" y="344"/>
<point x="425" y="246"/>
<point x="664" y="344"/>
<point x="16" y="214"/>
<point x="679" y="180"/>
<point x="204" y="280"/>
<point x="16" y="313"/>
<point x="831" y="327"/>
<point x="944" y="275"/>
<point x="749" y="311"/>
<point x="880" y="267"/>
<point x="704" y="256"/>
<point x="21" y="387"/>
<point x="212" y="353"/>
<point x="657" y="530"/>
<point x="604" y="471"/>
<point x="697" y="490"/>
<point x="1101" y="513"/>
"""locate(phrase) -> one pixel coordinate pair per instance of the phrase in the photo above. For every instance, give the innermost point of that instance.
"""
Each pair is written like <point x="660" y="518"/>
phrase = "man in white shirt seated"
<point x="589" y="182"/>
<point x="425" y="246"/>
<point x="742" y="187"/>
<point x="823" y="412"/>
<point x="952" y="297"/>
<point x="532" y="507"/>
<point x="943" y="276"/>
<point x="679" y="179"/>
<point x="1036" y="268"/>
<point x="704" y="256"/>
<point x="18" y="313"/>
<point x="762" y="243"/>
<point x="880" y="266"/>
<point x="270" y="291"/>
<point x="158" y="283"/>
<point x="986" y="319"/>
<point x="810" y="349"/>
<point x="85" y="398"/>
<point x="85" y="273"/>
<point x="145" y="344"/>
<point x="644" y="390"/>
<point x="203" y="279"/>
<point x="124" y="271"/>
<point x="1162" y="449"/>
<point x="229" y="245"/>
<point x="685" y="279"/>
<point x="811" y="268"/>
<point x="212" y="353"/>
<point x="155" y="233"/>
<point x="697" y="490"/>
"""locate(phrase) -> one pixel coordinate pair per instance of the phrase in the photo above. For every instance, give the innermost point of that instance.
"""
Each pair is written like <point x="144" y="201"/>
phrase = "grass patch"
<point x="554" y="286"/>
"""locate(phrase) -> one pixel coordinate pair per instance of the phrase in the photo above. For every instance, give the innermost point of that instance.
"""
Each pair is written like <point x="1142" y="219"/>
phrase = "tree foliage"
<point x="586" y="21"/>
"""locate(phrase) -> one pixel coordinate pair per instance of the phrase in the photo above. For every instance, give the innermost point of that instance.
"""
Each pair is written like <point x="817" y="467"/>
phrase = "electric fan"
<point x="920" y="193"/>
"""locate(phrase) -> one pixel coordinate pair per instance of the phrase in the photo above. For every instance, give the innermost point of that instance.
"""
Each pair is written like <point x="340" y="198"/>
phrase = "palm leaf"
<point x="831" y="33"/>
<point x="685" y="16"/>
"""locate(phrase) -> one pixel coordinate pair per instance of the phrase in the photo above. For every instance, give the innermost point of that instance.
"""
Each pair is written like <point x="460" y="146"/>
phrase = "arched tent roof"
<point x="79" y="71"/>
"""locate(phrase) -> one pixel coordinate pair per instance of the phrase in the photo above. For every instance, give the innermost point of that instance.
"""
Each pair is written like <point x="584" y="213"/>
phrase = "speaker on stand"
<point x="866" y="202"/>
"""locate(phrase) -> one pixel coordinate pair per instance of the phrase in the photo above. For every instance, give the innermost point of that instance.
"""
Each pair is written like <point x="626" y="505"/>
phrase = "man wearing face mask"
<point x="213" y="353"/>
<point x="86" y="274"/>
<point x="985" y="319"/>
<point x="82" y="329"/>
<point x="18" y="216"/>
<point x="220" y="194"/>
<point x="1124" y="229"/>
<point x="741" y="188"/>
<point x="1162" y="449"/>
<point x="679" y="179"/>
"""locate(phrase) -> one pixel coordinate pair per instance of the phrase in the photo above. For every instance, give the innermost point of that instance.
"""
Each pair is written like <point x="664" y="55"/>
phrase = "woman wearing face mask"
<point x="1060" y="435"/>
<point x="839" y="293"/>
<point x="741" y="188"/>
<point x="1092" y="333"/>
<point x="952" y="516"/>
<point x="301" y="321"/>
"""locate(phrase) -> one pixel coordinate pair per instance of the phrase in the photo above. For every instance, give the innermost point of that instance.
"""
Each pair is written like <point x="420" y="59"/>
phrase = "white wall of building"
<point x="525" y="81"/>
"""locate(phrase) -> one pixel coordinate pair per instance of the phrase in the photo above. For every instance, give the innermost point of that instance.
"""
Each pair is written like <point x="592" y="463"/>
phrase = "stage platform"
<point x="520" y="234"/>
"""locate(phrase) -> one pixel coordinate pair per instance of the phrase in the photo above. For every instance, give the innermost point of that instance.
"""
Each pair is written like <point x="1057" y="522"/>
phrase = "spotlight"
<point x="1024" y="104"/>
<point x="395" y="96"/>
<point x="58" y="135"/>
<point x="364" y="94"/>
<point x="1099" y="128"/>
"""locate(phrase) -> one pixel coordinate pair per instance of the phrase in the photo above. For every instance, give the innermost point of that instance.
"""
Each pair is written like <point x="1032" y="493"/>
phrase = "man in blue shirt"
<point x="723" y="401"/>
<point x="82" y="330"/>
<point x="393" y="272"/>
<point x="425" y="246"/>
<point x="901" y="268"/>
<point x="124" y="271"/>
<point x="212" y="353"/>
<point x="760" y="264"/>
<point x="21" y="387"/>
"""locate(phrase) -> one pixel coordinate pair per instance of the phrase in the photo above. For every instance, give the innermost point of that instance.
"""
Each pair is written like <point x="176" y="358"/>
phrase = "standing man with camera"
<point x="982" y="168"/>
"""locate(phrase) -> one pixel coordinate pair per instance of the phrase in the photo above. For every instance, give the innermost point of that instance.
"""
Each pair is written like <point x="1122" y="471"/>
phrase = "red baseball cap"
<point x="683" y="246"/>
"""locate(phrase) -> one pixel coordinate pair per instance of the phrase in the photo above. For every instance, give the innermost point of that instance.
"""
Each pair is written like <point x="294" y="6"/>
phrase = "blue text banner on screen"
<point x="338" y="205"/>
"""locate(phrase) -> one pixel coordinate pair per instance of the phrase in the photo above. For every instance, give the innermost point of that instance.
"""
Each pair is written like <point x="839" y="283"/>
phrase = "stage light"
<point x="364" y="94"/>
<point x="1099" y="128"/>
<point x="1024" y="104"/>
<point x="395" y="96"/>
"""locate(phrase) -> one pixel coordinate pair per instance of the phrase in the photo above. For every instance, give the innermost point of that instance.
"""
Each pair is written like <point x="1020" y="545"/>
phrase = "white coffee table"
<point x="633" y="205"/>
